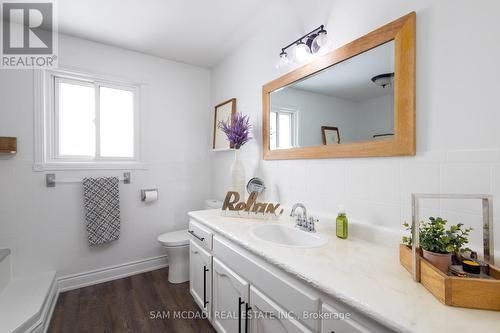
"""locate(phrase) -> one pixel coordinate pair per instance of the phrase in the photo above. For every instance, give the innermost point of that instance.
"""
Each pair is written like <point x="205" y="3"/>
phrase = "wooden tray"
<point x="456" y="291"/>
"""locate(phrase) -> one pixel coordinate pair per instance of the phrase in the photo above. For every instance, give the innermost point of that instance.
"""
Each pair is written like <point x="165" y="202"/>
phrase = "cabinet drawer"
<point x="335" y="322"/>
<point x="289" y="295"/>
<point x="200" y="235"/>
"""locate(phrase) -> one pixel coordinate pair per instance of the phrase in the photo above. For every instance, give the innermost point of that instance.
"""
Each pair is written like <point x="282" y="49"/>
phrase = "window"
<point x="283" y="128"/>
<point x="86" y="121"/>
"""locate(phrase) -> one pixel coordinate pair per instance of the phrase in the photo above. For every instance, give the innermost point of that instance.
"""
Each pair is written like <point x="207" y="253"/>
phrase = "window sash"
<point x="293" y="125"/>
<point x="56" y="117"/>
<point x="54" y="152"/>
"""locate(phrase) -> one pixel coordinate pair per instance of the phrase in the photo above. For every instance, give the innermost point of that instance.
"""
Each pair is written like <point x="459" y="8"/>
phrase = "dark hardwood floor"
<point x="140" y="303"/>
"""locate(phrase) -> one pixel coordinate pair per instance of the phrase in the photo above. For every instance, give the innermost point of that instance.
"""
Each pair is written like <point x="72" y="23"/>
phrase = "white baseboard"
<point x="89" y="278"/>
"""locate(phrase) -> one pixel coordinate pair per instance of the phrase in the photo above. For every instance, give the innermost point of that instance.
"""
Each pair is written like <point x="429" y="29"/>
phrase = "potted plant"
<point x="438" y="244"/>
<point x="238" y="133"/>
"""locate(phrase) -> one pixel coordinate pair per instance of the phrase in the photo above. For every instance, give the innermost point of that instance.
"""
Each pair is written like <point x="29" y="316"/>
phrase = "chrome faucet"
<point x="301" y="220"/>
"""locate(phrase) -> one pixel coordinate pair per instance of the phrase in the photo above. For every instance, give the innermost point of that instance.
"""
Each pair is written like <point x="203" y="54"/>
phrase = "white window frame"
<point x="294" y="123"/>
<point x="46" y="118"/>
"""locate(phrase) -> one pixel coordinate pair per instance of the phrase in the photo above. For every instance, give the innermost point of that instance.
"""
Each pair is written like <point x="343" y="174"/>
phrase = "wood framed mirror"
<point x="364" y="89"/>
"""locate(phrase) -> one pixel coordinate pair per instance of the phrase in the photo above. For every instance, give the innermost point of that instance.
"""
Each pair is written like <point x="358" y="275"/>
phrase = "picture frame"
<point x="331" y="135"/>
<point x="222" y="112"/>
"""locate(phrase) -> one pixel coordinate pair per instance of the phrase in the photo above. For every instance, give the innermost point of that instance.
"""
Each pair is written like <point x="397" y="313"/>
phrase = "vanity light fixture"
<point x="302" y="52"/>
<point x="307" y="45"/>
<point x="284" y="61"/>
<point x="383" y="80"/>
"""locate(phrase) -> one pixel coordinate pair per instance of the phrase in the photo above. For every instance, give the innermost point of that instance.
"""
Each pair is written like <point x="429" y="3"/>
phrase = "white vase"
<point x="238" y="175"/>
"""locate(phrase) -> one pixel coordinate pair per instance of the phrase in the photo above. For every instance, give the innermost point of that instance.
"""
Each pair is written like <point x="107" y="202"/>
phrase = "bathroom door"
<point x="200" y="276"/>
<point x="230" y="296"/>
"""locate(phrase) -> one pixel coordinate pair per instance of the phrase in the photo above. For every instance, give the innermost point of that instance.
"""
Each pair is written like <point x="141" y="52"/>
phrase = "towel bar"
<point x="50" y="179"/>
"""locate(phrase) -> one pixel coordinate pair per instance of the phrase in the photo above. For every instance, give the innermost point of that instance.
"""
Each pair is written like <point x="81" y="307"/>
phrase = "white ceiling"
<point x="351" y="79"/>
<point x="198" y="32"/>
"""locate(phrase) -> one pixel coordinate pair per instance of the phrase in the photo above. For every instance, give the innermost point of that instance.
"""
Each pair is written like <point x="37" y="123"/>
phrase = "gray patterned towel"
<point x="101" y="199"/>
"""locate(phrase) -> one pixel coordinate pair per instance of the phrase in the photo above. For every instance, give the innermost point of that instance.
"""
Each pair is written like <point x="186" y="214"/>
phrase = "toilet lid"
<point x="174" y="238"/>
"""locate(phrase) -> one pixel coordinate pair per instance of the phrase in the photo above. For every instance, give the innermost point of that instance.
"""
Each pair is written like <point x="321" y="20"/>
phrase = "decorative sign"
<point x="231" y="203"/>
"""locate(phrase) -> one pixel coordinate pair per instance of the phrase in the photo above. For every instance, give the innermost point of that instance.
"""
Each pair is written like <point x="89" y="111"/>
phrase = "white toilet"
<point x="176" y="243"/>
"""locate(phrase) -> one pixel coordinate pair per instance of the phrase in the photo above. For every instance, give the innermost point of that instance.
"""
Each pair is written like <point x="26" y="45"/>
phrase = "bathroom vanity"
<point x="247" y="284"/>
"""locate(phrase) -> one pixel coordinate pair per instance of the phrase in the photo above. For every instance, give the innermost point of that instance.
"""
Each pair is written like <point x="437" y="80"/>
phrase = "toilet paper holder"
<point x="143" y="193"/>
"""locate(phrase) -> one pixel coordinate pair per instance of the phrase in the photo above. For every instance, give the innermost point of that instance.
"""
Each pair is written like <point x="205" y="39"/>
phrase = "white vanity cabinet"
<point x="334" y="323"/>
<point x="291" y="297"/>
<point x="244" y="293"/>
<point x="239" y="307"/>
<point x="200" y="276"/>
<point x="268" y="317"/>
<point x="230" y="297"/>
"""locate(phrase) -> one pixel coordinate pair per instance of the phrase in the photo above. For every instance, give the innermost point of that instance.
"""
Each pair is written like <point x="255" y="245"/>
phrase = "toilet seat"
<point x="174" y="238"/>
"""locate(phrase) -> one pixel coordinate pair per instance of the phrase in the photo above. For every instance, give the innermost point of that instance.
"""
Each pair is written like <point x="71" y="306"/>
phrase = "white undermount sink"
<point x="285" y="235"/>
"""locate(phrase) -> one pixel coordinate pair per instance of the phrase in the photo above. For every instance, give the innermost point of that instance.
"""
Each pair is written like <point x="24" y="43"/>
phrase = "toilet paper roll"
<point x="150" y="195"/>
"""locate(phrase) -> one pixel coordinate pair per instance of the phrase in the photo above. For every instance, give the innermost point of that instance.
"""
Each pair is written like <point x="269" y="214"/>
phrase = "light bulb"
<point x="283" y="63"/>
<point x="321" y="39"/>
<point x="320" y="43"/>
<point x="302" y="52"/>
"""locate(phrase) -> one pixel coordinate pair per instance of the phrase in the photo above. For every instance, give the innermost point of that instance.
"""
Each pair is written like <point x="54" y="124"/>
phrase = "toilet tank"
<point x="213" y="204"/>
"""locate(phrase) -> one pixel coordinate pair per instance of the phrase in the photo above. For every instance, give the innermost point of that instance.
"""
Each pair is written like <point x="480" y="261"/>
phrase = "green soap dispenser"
<point x="342" y="224"/>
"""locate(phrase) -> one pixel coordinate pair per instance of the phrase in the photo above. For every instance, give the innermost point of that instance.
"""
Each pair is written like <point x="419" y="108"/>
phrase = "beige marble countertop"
<point x="362" y="271"/>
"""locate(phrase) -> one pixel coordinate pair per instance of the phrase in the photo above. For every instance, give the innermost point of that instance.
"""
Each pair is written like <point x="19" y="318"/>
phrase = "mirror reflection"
<point x="349" y="102"/>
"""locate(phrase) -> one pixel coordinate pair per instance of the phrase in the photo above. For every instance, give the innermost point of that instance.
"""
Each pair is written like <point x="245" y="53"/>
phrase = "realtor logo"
<point x="29" y="37"/>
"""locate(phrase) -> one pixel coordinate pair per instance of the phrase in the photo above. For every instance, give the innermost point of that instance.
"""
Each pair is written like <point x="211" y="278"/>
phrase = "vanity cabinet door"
<point x="336" y="325"/>
<point x="230" y="296"/>
<point x="265" y="316"/>
<point x="200" y="276"/>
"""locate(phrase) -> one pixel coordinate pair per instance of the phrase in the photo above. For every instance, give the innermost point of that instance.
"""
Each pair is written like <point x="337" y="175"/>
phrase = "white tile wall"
<point x="378" y="191"/>
<point x="419" y="178"/>
<point x="495" y="181"/>
<point x="457" y="177"/>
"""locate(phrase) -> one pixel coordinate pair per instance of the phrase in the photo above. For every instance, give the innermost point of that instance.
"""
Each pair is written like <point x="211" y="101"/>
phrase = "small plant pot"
<point x="439" y="260"/>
